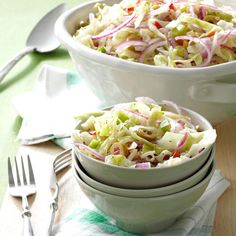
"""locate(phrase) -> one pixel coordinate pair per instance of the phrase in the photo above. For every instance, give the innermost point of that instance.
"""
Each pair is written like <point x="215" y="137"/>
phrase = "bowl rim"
<point x="207" y="164"/>
<point x="66" y="38"/>
<point x="75" y="148"/>
<point x="199" y="155"/>
<point x="170" y="196"/>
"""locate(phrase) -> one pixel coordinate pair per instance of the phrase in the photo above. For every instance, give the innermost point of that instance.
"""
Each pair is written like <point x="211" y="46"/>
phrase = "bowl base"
<point x="146" y="228"/>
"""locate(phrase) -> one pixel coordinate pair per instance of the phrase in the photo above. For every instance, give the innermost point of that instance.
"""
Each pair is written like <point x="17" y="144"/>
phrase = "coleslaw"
<point x="141" y="134"/>
<point x="176" y="33"/>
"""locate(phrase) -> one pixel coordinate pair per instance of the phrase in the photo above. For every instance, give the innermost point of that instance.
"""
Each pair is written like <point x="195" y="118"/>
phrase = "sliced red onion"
<point x="150" y="48"/>
<point x="91" y="151"/>
<point x="164" y="30"/>
<point x="222" y="39"/>
<point x="136" y="114"/>
<point x="152" y="41"/>
<point x="207" y="51"/>
<point x="143" y="165"/>
<point x="139" y="48"/>
<point x="202" y="12"/>
<point x="207" y="43"/>
<point x="229" y="48"/>
<point x="143" y="25"/>
<point x="190" y="38"/>
<point x="179" y="125"/>
<point x="171" y="106"/>
<point x="117" y="28"/>
<point x="171" y="41"/>
<point x="183" y="141"/>
<point x="130" y="43"/>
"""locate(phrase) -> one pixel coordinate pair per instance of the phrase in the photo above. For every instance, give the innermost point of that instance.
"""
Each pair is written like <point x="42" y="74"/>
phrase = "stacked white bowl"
<point x="146" y="200"/>
<point x="144" y="210"/>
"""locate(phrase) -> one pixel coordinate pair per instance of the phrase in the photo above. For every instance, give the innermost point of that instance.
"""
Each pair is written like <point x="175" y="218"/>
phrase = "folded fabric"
<point x="196" y="221"/>
<point x="49" y="109"/>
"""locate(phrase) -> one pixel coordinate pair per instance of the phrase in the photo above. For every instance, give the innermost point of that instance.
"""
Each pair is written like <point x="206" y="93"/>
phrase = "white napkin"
<point x="49" y="109"/>
<point x="197" y="221"/>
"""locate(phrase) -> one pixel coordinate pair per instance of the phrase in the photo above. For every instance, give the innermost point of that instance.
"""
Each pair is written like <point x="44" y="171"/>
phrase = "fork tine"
<point x="31" y="173"/>
<point x="61" y="160"/>
<point x="62" y="155"/>
<point x="23" y="190"/>
<point x="23" y="172"/>
<point x="62" y="165"/>
<point x="10" y="175"/>
<point x="17" y="174"/>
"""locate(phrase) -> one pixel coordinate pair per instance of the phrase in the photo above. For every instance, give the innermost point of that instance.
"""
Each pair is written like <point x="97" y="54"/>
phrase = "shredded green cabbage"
<point x="162" y="33"/>
<point x="141" y="132"/>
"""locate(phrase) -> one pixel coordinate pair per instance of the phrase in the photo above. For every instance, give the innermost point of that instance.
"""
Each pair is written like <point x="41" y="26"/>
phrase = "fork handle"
<point x="28" y="230"/>
<point x="53" y="207"/>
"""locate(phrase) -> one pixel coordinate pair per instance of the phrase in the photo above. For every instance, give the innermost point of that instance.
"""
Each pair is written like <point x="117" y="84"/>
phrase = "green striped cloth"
<point x="196" y="221"/>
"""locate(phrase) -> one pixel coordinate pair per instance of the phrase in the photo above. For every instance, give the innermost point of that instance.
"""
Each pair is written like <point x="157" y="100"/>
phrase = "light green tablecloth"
<point x="17" y="18"/>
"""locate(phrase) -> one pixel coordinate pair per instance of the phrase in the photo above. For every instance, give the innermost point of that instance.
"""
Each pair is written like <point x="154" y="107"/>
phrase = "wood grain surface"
<point x="225" y="220"/>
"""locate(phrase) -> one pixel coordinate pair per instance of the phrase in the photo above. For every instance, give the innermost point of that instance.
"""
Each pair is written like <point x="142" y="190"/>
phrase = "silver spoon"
<point x="41" y="39"/>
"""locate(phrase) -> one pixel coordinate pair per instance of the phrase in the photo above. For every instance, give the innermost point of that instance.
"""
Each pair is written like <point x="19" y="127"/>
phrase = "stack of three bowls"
<point x="145" y="210"/>
<point x="145" y="200"/>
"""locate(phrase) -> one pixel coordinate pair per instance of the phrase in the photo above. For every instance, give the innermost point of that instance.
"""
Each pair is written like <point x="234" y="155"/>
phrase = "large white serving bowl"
<point x="144" y="215"/>
<point x="152" y="192"/>
<point x="134" y="178"/>
<point x="208" y="90"/>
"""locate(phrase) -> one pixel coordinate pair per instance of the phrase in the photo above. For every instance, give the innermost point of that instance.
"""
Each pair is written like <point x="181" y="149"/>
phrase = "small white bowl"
<point x="133" y="178"/>
<point x="153" y="192"/>
<point x="145" y="215"/>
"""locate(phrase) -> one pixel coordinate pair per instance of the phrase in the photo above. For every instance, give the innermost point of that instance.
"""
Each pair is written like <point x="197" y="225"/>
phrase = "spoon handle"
<point x="10" y="64"/>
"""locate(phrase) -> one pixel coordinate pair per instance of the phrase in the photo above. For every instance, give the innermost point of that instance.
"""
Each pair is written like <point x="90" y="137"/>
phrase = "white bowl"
<point x="134" y="178"/>
<point x="152" y="192"/>
<point x="145" y="215"/>
<point x="207" y="90"/>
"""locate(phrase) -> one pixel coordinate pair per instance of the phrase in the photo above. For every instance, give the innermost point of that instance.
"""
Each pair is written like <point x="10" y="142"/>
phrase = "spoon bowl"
<point x="41" y="39"/>
<point x="45" y="26"/>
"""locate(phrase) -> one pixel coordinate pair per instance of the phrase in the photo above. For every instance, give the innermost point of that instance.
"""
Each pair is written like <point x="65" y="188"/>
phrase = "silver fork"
<point x="22" y="189"/>
<point x="61" y="161"/>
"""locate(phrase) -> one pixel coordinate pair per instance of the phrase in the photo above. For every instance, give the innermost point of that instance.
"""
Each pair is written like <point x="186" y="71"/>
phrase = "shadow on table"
<point x="36" y="59"/>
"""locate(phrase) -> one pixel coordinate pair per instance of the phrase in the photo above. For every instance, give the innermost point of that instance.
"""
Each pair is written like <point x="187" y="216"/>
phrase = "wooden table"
<point x="42" y="157"/>
<point x="225" y="220"/>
